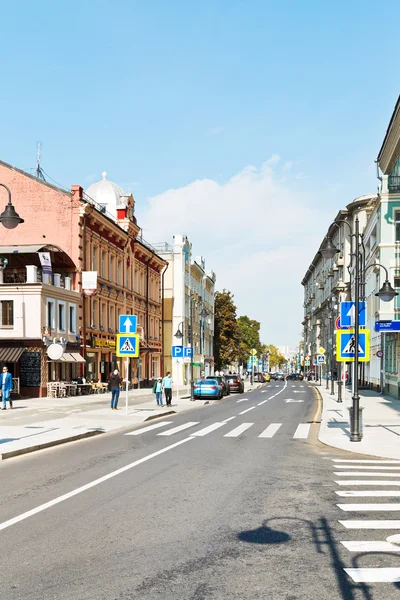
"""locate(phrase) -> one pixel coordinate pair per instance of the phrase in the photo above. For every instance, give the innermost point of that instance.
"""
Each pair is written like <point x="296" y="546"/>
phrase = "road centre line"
<point x="247" y="410"/>
<point x="230" y="419"/>
<point x="263" y="402"/>
<point x="88" y="486"/>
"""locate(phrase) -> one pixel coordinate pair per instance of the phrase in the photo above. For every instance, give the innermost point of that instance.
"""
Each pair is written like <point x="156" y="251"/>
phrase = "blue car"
<point x="208" y="388"/>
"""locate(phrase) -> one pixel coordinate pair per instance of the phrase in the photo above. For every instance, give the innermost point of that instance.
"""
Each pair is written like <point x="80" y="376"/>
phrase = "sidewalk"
<point x="381" y="423"/>
<point x="38" y="423"/>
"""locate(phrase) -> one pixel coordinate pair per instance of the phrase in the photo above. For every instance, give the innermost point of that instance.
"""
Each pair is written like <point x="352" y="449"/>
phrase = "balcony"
<point x="32" y="274"/>
<point x="394" y="183"/>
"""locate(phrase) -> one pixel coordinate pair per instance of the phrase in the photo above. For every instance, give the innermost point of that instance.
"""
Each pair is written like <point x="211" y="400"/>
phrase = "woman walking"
<point x="157" y="389"/>
<point x="114" y="385"/>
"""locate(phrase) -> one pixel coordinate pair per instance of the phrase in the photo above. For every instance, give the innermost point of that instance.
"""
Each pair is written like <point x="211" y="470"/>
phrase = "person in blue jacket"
<point x="6" y="387"/>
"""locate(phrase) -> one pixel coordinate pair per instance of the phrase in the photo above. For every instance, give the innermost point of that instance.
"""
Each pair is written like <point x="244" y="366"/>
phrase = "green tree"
<point x="249" y="337"/>
<point x="276" y="359"/>
<point x="225" y="330"/>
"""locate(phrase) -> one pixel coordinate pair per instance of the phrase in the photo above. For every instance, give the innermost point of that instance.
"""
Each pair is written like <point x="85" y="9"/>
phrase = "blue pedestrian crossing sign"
<point x="348" y="311"/>
<point x="321" y="359"/>
<point x="345" y="345"/>
<point x="127" y="345"/>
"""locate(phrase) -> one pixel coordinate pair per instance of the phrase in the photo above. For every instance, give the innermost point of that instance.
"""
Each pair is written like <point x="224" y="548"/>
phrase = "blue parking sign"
<point x="177" y="352"/>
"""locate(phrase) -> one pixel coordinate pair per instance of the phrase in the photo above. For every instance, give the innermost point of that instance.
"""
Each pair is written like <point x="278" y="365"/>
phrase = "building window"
<point x="94" y="258"/>
<point x="119" y="272"/>
<point x="103" y="316"/>
<point x="154" y="366"/>
<point x="394" y="177"/>
<point x="72" y="318"/>
<point x="112" y="317"/>
<point x="111" y="274"/>
<point x="51" y="315"/>
<point x="61" y="316"/>
<point x="94" y="314"/>
<point x="7" y="313"/>
<point x="103" y="264"/>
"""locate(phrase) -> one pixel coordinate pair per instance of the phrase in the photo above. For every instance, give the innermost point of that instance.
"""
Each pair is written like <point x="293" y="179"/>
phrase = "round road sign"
<point x="379" y="353"/>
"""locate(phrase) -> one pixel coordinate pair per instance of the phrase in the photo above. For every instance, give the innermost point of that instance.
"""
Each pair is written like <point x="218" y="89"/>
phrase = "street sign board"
<point x="127" y="345"/>
<point x="387" y="326"/>
<point x="321" y="350"/>
<point x="177" y="352"/>
<point x="307" y="363"/>
<point x="187" y="351"/>
<point x="345" y="342"/>
<point x="379" y="353"/>
<point x="127" y="324"/>
<point x="347" y="314"/>
<point x="321" y="359"/>
<point x="307" y="358"/>
<point x="253" y="352"/>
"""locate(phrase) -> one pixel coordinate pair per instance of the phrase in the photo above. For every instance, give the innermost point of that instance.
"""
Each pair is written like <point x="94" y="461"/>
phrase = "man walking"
<point x="167" y="385"/>
<point x="115" y="387"/>
<point x="6" y="387"/>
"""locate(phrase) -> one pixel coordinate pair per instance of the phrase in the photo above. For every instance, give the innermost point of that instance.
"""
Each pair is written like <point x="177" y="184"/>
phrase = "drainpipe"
<point x="147" y="312"/>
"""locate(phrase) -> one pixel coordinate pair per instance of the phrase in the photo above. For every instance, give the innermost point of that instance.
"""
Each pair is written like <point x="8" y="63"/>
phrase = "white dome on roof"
<point x="108" y="195"/>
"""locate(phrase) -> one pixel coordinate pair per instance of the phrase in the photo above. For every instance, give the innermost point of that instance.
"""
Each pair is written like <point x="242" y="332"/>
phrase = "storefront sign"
<point x="98" y="343"/>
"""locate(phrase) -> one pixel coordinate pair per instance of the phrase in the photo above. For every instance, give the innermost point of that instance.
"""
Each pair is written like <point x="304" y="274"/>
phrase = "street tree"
<point x="276" y="359"/>
<point x="225" y="330"/>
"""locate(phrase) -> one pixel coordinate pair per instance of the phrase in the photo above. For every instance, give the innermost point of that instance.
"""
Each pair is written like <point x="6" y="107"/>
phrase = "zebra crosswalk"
<point x="373" y="521"/>
<point x="301" y="431"/>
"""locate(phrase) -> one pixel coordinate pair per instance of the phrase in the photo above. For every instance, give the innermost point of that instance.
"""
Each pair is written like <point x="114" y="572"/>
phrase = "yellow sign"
<point x="128" y="345"/>
<point x="253" y="352"/>
<point x="98" y="343"/>
<point x="321" y="350"/>
<point x="345" y="345"/>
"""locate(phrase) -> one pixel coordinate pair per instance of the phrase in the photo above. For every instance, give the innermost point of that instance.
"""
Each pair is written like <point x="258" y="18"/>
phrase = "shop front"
<point x="101" y="359"/>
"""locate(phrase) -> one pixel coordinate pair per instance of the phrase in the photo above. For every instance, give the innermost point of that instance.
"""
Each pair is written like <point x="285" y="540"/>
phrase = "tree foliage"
<point x="249" y="337"/>
<point x="225" y="330"/>
<point x="276" y="359"/>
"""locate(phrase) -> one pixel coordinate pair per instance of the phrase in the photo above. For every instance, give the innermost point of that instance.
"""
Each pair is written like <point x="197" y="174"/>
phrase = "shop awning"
<point x="76" y="356"/>
<point x="66" y="357"/>
<point x="11" y="355"/>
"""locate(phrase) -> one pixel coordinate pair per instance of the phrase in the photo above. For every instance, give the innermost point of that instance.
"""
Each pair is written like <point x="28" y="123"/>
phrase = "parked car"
<point x="280" y="377"/>
<point x="236" y="383"/>
<point x="273" y="376"/>
<point x="292" y="376"/>
<point x="223" y="383"/>
<point x="259" y="377"/>
<point x="207" y="388"/>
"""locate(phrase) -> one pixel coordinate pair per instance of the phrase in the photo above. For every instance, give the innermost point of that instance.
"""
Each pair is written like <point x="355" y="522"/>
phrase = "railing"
<point x="18" y="276"/>
<point x="163" y="247"/>
<point x="15" y="385"/>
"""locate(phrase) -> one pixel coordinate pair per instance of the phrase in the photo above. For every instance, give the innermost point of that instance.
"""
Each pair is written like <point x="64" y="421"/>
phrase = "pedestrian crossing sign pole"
<point x="127" y="345"/>
<point x="345" y="345"/>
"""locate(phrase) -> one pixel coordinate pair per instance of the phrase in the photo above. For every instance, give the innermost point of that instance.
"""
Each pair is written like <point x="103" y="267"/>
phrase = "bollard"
<point x="350" y="409"/>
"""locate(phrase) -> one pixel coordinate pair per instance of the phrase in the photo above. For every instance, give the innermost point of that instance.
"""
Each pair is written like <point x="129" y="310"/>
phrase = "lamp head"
<point x="179" y="334"/>
<point x="328" y="249"/>
<point x="386" y="293"/>
<point x="9" y="218"/>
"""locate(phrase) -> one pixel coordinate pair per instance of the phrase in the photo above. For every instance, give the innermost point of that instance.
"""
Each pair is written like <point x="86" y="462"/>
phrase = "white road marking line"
<point x="88" y="486"/>
<point x="230" y="419"/>
<point x="368" y="493"/>
<point x="277" y="386"/>
<point x="264" y="391"/>
<point x="369" y="507"/>
<point x="270" y="431"/>
<point x="207" y="430"/>
<point x="238" y="430"/>
<point x="362" y="460"/>
<point x="358" y="482"/>
<point x="263" y="402"/>
<point x="247" y="410"/>
<point x="242" y="400"/>
<point x="367" y="524"/>
<point x="179" y="428"/>
<point x="302" y="431"/>
<point x="149" y="428"/>
<point x="367" y="467"/>
<point x="363" y="474"/>
<point x="371" y="547"/>
<point x="388" y="575"/>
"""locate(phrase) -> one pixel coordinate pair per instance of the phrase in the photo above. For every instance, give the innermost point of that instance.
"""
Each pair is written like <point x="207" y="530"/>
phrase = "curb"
<point x="28" y="450"/>
<point x="151" y="417"/>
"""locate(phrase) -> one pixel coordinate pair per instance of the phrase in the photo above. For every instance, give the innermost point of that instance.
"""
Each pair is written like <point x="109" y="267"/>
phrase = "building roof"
<point x="391" y="143"/>
<point x="106" y="193"/>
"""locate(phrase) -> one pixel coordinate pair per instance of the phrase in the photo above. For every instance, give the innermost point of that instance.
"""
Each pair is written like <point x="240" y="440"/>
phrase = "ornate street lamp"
<point x="9" y="218"/>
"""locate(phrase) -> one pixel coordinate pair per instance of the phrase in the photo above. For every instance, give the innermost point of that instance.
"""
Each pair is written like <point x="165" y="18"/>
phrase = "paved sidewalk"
<point x="381" y="423"/>
<point x="37" y="423"/>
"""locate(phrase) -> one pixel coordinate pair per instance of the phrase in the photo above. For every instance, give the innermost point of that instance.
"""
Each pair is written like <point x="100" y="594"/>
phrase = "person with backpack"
<point x="157" y="390"/>
<point x="114" y="385"/>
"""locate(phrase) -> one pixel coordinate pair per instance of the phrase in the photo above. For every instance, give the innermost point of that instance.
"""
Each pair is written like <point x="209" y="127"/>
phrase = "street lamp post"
<point x="386" y="293"/>
<point x="9" y="218"/>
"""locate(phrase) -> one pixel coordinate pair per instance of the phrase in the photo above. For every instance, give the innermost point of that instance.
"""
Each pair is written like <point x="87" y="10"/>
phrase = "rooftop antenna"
<point x="39" y="170"/>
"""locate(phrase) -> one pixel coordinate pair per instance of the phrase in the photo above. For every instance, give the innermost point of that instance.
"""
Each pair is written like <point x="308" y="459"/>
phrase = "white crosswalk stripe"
<point x="179" y="428"/>
<point x="360" y="470"/>
<point x="270" y="431"/>
<point x="149" y="428"/>
<point x="207" y="430"/>
<point x="238" y="430"/>
<point x="302" y="431"/>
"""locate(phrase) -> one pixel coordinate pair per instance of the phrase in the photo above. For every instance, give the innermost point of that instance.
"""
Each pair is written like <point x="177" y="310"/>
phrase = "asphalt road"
<point x="225" y="514"/>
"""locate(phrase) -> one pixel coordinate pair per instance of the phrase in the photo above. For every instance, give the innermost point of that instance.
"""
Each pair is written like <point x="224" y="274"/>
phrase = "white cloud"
<point x="256" y="231"/>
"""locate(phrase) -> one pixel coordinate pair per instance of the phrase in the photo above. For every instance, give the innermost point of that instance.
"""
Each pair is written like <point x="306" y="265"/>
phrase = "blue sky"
<point x="164" y="94"/>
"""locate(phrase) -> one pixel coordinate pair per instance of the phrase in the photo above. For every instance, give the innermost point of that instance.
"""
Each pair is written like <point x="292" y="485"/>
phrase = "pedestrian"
<point x="6" y="387"/>
<point x="167" y="386"/>
<point x="157" y="389"/>
<point x="114" y="384"/>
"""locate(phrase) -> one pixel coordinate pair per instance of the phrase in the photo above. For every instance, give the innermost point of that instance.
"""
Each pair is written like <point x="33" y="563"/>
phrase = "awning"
<point x="11" y="355"/>
<point x="78" y="357"/>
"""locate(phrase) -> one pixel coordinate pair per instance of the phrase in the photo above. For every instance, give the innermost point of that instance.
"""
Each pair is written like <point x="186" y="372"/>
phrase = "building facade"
<point x="188" y="309"/>
<point x="92" y="232"/>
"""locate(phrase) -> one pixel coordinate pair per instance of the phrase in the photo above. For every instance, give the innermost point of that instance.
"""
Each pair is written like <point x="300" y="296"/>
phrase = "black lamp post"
<point x="386" y="293"/>
<point x="9" y="218"/>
